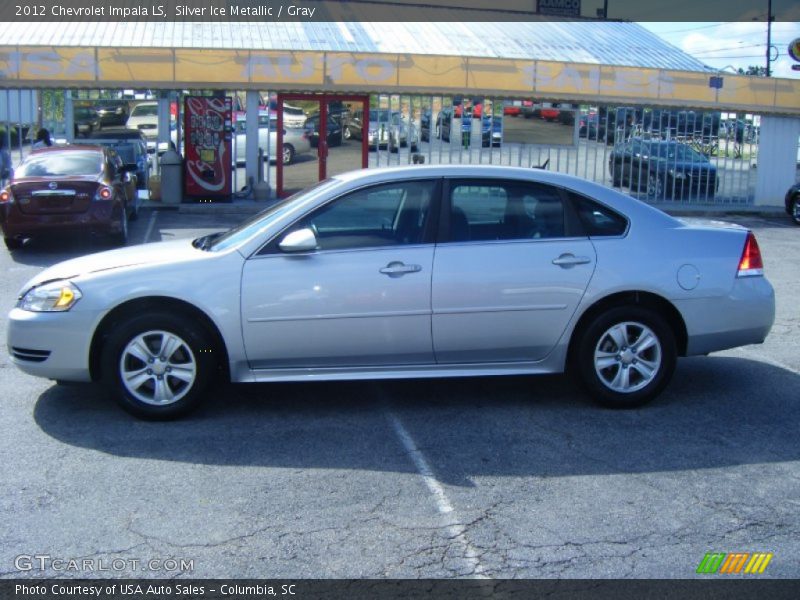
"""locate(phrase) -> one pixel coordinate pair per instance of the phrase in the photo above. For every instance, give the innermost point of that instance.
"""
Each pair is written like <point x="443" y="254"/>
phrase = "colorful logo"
<point x="736" y="562"/>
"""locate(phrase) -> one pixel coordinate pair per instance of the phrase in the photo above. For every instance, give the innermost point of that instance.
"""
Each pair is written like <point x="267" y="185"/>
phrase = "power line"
<point x="697" y="28"/>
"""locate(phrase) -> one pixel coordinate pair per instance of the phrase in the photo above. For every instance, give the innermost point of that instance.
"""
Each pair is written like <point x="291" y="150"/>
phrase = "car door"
<point x="361" y="299"/>
<point x="509" y="274"/>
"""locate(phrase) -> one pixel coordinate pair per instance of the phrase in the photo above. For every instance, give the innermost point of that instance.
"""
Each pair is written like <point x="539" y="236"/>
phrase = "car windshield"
<point x="678" y="152"/>
<point x="250" y="227"/>
<point x="145" y="110"/>
<point x="61" y="164"/>
<point x="82" y="113"/>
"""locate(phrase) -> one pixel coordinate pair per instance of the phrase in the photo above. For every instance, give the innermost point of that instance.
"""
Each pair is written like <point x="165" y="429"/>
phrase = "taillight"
<point x="104" y="193"/>
<point x="750" y="264"/>
<point x="5" y="196"/>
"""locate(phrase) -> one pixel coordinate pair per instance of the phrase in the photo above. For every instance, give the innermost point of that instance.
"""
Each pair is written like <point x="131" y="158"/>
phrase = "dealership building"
<point x="573" y="96"/>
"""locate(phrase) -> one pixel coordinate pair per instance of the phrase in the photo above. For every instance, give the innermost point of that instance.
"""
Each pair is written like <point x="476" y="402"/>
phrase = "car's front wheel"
<point x="158" y="365"/>
<point x="795" y="209"/>
<point x="626" y="356"/>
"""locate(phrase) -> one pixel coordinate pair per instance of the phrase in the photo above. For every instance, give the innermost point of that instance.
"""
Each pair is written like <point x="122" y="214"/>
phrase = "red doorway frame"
<point x="322" y="147"/>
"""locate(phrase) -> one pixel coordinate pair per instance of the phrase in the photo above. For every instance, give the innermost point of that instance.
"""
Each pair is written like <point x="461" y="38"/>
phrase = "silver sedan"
<point x="433" y="271"/>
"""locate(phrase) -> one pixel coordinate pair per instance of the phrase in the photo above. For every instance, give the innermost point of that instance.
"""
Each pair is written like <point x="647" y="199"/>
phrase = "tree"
<point x="753" y="70"/>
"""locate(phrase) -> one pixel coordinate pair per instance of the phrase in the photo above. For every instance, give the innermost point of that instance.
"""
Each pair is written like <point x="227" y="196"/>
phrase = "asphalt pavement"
<point x="490" y="477"/>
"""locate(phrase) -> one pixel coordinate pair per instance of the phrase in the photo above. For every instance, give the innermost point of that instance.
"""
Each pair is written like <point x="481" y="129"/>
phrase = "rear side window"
<point x="598" y="220"/>
<point x="505" y="210"/>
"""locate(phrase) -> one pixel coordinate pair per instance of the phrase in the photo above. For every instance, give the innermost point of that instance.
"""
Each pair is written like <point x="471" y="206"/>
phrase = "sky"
<point x="739" y="44"/>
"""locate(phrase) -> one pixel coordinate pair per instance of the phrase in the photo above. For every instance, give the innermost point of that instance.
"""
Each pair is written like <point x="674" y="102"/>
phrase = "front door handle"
<point x="398" y="269"/>
<point x="565" y="261"/>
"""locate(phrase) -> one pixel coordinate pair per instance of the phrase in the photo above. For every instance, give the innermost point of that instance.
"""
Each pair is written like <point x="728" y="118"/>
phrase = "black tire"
<point x="616" y="177"/>
<point x="288" y="154"/>
<point x="120" y="238"/>
<point x="192" y="349"/>
<point x="656" y="187"/>
<point x="13" y="243"/>
<point x="626" y="364"/>
<point x="794" y="209"/>
<point x="135" y="212"/>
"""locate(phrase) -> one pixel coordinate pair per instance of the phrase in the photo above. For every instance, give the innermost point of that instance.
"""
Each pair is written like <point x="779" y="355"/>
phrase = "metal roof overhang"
<point x="283" y="70"/>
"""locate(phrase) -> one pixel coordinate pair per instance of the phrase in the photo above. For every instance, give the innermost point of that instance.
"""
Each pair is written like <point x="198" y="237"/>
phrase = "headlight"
<point x="56" y="296"/>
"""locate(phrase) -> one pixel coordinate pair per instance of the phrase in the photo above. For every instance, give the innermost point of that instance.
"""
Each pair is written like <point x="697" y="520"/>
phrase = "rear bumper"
<point x="103" y="216"/>
<point x="745" y="316"/>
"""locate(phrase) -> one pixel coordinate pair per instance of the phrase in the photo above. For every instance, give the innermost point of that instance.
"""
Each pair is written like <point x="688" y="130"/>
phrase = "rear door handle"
<point x="398" y="269"/>
<point x="565" y="261"/>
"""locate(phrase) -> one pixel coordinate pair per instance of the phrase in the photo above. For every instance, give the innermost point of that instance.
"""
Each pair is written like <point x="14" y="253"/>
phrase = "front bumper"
<point x="745" y="316"/>
<point x="53" y="345"/>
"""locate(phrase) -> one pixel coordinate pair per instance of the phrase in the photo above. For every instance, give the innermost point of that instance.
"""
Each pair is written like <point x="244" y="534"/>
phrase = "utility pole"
<point x="769" y="35"/>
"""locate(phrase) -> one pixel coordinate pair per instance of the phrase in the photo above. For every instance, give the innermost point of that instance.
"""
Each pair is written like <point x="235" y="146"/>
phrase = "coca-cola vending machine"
<point x="207" y="136"/>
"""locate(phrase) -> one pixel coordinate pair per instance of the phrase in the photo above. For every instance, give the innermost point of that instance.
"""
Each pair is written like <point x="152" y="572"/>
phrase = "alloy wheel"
<point x="157" y="368"/>
<point x="627" y="357"/>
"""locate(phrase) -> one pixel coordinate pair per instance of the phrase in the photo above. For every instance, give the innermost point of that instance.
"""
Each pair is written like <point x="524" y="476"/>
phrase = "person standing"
<point x="5" y="164"/>
<point x="42" y="139"/>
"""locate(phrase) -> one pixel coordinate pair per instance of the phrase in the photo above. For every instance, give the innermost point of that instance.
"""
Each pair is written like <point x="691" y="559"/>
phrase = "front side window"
<point x="384" y="215"/>
<point x="486" y="211"/>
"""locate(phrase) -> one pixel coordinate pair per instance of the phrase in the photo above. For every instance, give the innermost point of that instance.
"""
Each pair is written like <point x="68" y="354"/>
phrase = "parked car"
<point x="385" y="129"/>
<point x="363" y="277"/>
<point x="112" y="112"/>
<point x="491" y="127"/>
<point x="511" y="109"/>
<point x="144" y="117"/>
<point x="69" y="188"/>
<point x="665" y="170"/>
<point x="589" y="127"/>
<point x="86" y="121"/>
<point x="131" y="145"/>
<point x="334" y="137"/>
<point x="793" y="203"/>
<point x="295" y="140"/>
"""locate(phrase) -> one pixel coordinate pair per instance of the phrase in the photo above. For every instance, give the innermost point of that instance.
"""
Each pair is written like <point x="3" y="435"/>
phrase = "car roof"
<point x="121" y="133"/>
<point x="70" y="148"/>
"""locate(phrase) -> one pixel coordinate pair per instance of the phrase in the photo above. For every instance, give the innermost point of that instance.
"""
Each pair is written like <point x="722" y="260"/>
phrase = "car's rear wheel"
<point x="158" y="365"/>
<point x="13" y="243"/>
<point x="121" y="237"/>
<point x="795" y="209"/>
<point x="626" y="356"/>
<point x="288" y="154"/>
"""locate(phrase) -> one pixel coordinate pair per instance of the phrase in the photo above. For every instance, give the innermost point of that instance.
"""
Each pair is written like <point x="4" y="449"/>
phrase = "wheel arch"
<point x="640" y="298"/>
<point x="142" y="305"/>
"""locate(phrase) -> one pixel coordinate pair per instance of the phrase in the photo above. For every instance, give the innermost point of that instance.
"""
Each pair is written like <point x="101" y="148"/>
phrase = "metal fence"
<point x="654" y="154"/>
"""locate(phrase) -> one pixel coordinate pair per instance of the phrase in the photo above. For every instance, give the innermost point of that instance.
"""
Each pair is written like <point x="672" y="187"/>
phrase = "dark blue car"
<point x="663" y="169"/>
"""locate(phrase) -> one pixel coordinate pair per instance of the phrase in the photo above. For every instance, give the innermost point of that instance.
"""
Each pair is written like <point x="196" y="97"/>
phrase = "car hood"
<point x="158" y="252"/>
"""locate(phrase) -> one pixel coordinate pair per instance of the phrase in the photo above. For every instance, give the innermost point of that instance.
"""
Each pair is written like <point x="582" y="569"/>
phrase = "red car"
<point x="71" y="189"/>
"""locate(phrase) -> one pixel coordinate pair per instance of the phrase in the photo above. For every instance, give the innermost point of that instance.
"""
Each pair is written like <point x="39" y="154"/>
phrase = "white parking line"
<point x="150" y="226"/>
<point x="456" y="530"/>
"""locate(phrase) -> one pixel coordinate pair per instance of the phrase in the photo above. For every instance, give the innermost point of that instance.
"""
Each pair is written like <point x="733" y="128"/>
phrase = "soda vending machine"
<point x="207" y="137"/>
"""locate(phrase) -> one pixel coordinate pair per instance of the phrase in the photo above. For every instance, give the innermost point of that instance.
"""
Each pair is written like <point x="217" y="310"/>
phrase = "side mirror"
<point x="301" y="240"/>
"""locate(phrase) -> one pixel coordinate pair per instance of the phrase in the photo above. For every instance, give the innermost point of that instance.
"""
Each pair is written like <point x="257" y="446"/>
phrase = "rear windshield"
<point x="61" y="164"/>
